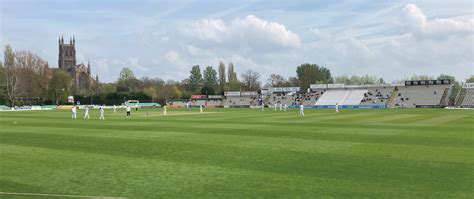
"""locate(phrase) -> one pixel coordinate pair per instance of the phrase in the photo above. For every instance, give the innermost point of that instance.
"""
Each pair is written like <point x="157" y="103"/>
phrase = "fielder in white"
<point x="86" y="114"/>
<point x="74" y="112"/>
<point x="275" y="106"/>
<point x="301" y="110"/>
<point x="115" y="108"/>
<point x="337" y="108"/>
<point x="128" y="110"/>
<point x="285" y="107"/>
<point x="101" y="110"/>
<point x="263" y="106"/>
<point x="164" y="110"/>
<point x="281" y="106"/>
<point x="200" y="108"/>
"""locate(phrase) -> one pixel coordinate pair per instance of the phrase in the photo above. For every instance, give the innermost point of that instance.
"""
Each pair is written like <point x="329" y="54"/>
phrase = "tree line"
<point x="25" y="78"/>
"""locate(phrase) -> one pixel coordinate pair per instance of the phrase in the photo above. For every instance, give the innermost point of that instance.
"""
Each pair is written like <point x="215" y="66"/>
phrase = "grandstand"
<point x="412" y="96"/>
<point x="240" y="99"/>
<point x="177" y="103"/>
<point x="465" y="97"/>
<point x="342" y="97"/>
<point x="284" y="95"/>
<point x="309" y="99"/>
<point x="201" y="102"/>
<point x="377" y="96"/>
<point x="214" y="101"/>
<point x="282" y="98"/>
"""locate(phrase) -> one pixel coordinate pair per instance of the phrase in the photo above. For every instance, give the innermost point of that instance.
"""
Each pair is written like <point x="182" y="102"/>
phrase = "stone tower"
<point x="67" y="54"/>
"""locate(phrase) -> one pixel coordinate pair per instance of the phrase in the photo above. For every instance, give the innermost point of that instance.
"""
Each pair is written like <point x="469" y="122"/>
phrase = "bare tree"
<point x="29" y="60"/>
<point x="276" y="80"/>
<point x="31" y="68"/>
<point x="13" y="85"/>
<point x="250" y="80"/>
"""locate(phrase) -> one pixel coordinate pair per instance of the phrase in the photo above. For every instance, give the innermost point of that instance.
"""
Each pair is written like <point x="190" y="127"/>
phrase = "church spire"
<point x="73" y="40"/>
<point x="62" y="39"/>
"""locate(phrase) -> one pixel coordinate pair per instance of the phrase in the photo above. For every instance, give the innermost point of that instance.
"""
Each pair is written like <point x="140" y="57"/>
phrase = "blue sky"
<point x="391" y="39"/>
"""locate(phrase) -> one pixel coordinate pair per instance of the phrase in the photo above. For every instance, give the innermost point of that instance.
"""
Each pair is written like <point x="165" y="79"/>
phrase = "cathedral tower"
<point x="67" y="54"/>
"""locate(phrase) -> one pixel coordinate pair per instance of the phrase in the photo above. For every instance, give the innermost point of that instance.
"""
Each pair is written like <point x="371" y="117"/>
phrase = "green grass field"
<point x="240" y="153"/>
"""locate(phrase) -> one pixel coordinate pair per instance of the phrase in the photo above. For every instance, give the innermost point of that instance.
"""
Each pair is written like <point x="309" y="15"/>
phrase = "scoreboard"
<point x="427" y="82"/>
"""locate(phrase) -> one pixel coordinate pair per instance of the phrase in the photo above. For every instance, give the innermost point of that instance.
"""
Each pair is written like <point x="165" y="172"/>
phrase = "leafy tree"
<point x="126" y="74"/>
<point x="250" y="80"/>
<point x="470" y="79"/>
<point x="210" y="81"/>
<point x="381" y="81"/>
<point x="312" y="73"/>
<point x="151" y="91"/>
<point x="222" y="79"/>
<point x="231" y="74"/>
<point x="421" y="77"/>
<point x="354" y="79"/>
<point x="293" y="82"/>
<point x="59" y="86"/>
<point x="127" y="82"/>
<point x="110" y="88"/>
<point x="448" y="77"/>
<point x="195" y="79"/>
<point x="454" y="89"/>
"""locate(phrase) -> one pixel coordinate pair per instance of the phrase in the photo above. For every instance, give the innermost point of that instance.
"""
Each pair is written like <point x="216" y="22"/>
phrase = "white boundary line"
<point x="57" y="195"/>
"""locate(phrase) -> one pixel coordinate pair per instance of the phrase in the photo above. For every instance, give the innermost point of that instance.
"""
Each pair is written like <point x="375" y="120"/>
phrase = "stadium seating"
<point x="467" y="98"/>
<point x="198" y="103"/>
<point x="342" y="97"/>
<point x="239" y="101"/>
<point x="377" y="96"/>
<point x="410" y="96"/>
<point x="310" y="99"/>
<point x="213" y="102"/>
<point x="282" y="98"/>
<point x="177" y="104"/>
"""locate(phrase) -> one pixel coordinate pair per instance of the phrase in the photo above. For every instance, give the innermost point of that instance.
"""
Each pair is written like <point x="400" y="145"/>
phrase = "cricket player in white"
<point x="164" y="110"/>
<point x="115" y="108"/>
<point x="275" y="106"/>
<point x="337" y="108"/>
<point x="281" y="106"/>
<point x="301" y="110"/>
<point x="200" y="108"/>
<point x="74" y="112"/>
<point x="128" y="110"/>
<point x="285" y="107"/>
<point x="101" y="110"/>
<point x="263" y="106"/>
<point x="86" y="114"/>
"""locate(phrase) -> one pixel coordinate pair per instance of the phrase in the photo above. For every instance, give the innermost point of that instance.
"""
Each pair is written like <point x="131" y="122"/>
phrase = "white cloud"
<point x="213" y="30"/>
<point x="172" y="56"/>
<point x="420" y="24"/>
<point x="251" y="31"/>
